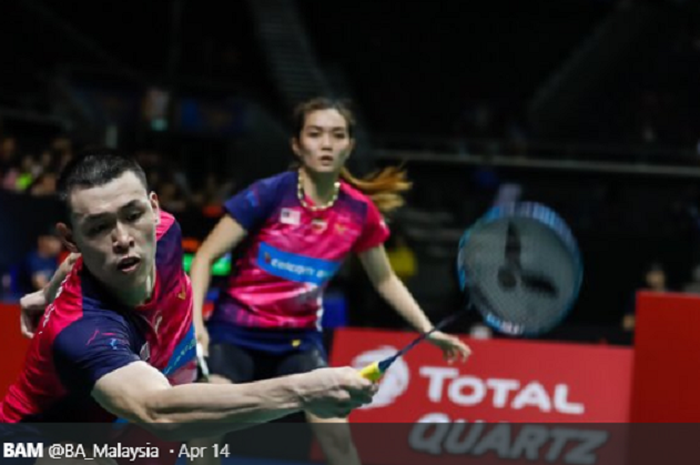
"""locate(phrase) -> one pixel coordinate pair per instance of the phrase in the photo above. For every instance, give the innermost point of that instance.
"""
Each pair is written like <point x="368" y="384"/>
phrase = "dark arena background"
<point x="590" y="107"/>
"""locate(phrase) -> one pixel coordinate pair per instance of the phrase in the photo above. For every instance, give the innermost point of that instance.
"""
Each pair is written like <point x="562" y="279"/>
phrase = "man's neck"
<point x="140" y="295"/>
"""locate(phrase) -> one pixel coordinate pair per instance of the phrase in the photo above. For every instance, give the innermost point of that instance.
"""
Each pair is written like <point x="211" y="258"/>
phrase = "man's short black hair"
<point x="95" y="167"/>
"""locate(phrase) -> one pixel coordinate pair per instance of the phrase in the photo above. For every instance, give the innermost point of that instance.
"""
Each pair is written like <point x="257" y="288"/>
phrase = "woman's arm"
<point x="226" y="235"/>
<point x="376" y="264"/>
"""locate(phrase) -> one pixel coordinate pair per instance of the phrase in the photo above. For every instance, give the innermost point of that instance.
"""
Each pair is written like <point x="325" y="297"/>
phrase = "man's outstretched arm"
<point x="141" y="394"/>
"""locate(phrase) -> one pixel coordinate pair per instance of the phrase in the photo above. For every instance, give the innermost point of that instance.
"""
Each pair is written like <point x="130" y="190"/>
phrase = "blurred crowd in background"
<point x="593" y="112"/>
<point x="36" y="173"/>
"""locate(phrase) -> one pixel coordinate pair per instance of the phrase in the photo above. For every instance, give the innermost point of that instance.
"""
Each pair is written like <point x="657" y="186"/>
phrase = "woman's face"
<point x="324" y="143"/>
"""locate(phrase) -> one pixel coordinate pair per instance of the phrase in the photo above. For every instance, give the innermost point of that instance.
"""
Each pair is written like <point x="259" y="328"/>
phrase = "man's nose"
<point x="122" y="239"/>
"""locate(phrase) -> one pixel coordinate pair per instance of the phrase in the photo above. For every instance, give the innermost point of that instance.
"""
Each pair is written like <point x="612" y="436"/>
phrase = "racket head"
<point x="521" y="267"/>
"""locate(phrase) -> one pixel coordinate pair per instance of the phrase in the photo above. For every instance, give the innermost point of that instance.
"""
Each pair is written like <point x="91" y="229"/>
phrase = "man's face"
<point x="114" y="228"/>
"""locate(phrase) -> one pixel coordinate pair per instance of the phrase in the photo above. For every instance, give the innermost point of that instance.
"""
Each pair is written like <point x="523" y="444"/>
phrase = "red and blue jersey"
<point x="291" y="253"/>
<point x="86" y="334"/>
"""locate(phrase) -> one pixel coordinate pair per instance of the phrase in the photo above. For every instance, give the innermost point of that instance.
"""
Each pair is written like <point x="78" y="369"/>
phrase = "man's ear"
<point x="153" y="198"/>
<point x="66" y="234"/>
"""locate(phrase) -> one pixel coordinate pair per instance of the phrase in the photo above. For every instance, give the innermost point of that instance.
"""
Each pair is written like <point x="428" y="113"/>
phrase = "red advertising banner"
<point x="13" y="346"/>
<point x="667" y="366"/>
<point x="503" y="381"/>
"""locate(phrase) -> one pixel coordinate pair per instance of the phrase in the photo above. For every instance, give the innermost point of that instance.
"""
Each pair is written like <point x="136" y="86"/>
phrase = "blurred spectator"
<point x="154" y="180"/>
<point x="8" y="151"/>
<point x="46" y="161"/>
<point x="30" y="169"/>
<point x="171" y="198"/>
<point x="62" y="145"/>
<point x="8" y="163"/>
<point x="62" y="149"/>
<point x="149" y="160"/>
<point x="37" y="176"/>
<point x="45" y="184"/>
<point x="655" y="280"/>
<point x="181" y="180"/>
<point x="42" y="262"/>
<point x="213" y="193"/>
<point x="155" y="108"/>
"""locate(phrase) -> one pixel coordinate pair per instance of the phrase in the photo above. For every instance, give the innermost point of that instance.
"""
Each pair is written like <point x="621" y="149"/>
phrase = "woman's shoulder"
<point x="353" y="193"/>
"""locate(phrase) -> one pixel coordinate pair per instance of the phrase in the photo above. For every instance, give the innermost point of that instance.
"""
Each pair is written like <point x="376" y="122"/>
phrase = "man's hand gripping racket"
<point x="520" y="267"/>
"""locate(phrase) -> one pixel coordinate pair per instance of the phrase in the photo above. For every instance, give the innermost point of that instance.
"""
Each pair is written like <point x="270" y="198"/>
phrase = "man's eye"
<point x="134" y="216"/>
<point x="98" y="229"/>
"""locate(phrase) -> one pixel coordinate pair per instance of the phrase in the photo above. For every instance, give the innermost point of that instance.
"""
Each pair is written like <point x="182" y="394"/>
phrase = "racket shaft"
<point x="414" y="343"/>
<point x="202" y="361"/>
<point x="375" y="370"/>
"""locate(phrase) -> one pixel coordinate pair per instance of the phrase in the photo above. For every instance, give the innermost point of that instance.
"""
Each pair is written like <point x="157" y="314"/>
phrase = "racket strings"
<point x="519" y="273"/>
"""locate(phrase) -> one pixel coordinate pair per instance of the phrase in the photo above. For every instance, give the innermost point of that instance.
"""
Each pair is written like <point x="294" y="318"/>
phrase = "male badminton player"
<point x="118" y="342"/>
<point x="291" y="233"/>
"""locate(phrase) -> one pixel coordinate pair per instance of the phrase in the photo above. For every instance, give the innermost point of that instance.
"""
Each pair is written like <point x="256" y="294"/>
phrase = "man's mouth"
<point x="128" y="264"/>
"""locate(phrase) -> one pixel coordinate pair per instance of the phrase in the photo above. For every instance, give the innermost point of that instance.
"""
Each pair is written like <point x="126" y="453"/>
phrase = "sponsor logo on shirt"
<point x="295" y="267"/>
<point x="318" y="225"/>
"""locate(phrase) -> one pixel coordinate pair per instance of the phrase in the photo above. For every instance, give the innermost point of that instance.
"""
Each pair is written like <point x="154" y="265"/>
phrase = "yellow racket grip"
<point x="372" y="372"/>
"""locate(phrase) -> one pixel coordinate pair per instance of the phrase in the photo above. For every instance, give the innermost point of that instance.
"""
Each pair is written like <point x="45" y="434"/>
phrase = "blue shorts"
<point x="243" y="365"/>
<point x="270" y="341"/>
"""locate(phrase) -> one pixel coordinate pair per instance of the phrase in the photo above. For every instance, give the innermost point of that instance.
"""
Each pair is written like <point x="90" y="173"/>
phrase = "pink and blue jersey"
<point x="273" y="298"/>
<point x="86" y="334"/>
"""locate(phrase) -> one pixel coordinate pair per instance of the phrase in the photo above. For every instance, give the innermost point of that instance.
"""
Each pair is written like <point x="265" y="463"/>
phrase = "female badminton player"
<point x="290" y="233"/>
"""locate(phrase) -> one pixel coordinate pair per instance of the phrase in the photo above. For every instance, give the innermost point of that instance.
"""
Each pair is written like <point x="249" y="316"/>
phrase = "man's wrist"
<point x="299" y="390"/>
